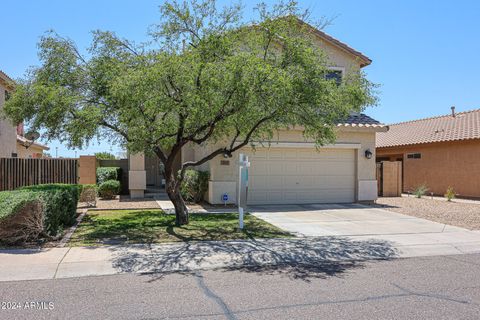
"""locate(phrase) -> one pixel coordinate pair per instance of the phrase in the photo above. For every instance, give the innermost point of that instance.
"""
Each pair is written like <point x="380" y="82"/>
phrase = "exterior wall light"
<point x="368" y="154"/>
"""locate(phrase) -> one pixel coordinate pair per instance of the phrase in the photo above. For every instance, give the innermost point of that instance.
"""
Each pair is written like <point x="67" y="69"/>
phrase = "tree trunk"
<point x="173" y="192"/>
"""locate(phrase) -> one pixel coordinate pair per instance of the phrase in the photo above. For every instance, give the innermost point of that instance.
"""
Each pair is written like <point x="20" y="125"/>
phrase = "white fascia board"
<point x="307" y="145"/>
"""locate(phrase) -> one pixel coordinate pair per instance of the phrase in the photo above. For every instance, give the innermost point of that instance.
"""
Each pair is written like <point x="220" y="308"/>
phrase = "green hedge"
<point x="194" y="185"/>
<point x="60" y="204"/>
<point x="108" y="173"/>
<point x="109" y="189"/>
<point x="12" y="201"/>
<point x="21" y="216"/>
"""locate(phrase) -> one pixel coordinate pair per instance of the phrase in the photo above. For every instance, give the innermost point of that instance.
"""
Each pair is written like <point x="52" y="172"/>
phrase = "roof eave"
<point x="364" y="60"/>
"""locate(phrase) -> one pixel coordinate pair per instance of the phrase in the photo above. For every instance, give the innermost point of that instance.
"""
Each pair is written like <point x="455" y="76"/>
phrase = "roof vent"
<point x="453" y="111"/>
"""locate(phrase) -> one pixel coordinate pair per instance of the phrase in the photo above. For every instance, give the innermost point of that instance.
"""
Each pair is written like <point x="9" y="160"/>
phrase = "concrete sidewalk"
<point x="29" y="264"/>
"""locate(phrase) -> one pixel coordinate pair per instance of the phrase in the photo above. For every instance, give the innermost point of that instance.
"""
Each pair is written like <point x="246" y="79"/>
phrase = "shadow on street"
<point x="295" y="258"/>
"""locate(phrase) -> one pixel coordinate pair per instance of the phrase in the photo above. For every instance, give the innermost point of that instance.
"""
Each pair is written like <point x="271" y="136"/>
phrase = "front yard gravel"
<point x="460" y="214"/>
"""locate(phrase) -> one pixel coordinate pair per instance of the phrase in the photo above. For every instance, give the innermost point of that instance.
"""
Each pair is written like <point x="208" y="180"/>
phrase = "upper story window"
<point x="414" y="156"/>
<point x="7" y="95"/>
<point x="335" y="74"/>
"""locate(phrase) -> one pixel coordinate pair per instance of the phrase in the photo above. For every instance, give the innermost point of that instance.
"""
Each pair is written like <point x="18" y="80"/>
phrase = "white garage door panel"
<point x="282" y="176"/>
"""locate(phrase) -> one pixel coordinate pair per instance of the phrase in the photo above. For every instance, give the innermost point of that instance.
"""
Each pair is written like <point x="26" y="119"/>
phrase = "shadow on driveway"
<point x="296" y="258"/>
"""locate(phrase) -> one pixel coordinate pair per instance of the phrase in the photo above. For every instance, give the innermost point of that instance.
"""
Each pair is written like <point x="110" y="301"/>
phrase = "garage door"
<point x="293" y="176"/>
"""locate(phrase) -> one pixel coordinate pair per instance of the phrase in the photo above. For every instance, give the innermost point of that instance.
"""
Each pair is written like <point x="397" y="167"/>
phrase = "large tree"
<point x="207" y="78"/>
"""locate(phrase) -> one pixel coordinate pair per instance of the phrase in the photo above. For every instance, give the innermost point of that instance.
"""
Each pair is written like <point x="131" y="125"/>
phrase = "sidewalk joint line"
<point x="59" y="263"/>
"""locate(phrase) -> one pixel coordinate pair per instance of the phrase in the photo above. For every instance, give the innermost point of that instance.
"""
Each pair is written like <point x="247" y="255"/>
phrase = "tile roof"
<point x="6" y="80"/>
<point x="5" y="76"/>
<point x="360" y="120"/>
<point x="24" y="142"/>
<point x="462" y="126"/>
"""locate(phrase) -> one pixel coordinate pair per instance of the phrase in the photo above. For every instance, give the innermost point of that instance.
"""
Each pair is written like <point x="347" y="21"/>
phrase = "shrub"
<point x="22" y="216"/>
<point x="12" y="201"/>
<point x="60" y="204"/>
<point x="108" y="173"/>
<point x="104" y="155"/>
<point x="450" y="194"/>
<point x="420" y="190"/>
<point x="88" y="194"/>
<point x="194" y="185"/>
<point x="109" y="189"/>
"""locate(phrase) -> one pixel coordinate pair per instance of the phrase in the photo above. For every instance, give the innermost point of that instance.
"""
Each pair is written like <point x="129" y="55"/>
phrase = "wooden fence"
<point x="17" y="172"/>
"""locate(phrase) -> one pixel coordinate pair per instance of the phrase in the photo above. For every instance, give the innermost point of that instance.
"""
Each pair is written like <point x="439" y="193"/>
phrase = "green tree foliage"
<point x="207" y="79"/>
<point x="104" y="156"/>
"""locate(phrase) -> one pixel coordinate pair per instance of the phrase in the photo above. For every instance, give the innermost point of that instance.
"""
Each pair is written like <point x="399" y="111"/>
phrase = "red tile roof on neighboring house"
<point x="25" y="142"/>
<point x="462" y="126"/>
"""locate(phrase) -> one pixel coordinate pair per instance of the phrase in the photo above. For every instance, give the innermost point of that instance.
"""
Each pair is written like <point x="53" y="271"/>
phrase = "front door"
<point x="154" y="172"/>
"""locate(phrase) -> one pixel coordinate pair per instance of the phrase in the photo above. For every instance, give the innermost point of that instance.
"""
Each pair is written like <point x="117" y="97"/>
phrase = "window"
<point x="414" y="156"/>
<point x="224" y="162"/>
<point x="335" y="75"/>
<point x="7" y="95"/>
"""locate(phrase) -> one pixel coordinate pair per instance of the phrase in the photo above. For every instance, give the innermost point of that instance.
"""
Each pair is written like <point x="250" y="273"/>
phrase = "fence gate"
<point x="18" y="172"/>
<point x="389" y="178"/>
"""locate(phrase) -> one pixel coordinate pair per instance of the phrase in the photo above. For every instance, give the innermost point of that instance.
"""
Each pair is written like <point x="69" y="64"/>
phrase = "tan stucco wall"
<point x="338" y="57"/>
<point x="8" y="132"/>
<point x="441" y="165"/>
<point x="137" y="179"/>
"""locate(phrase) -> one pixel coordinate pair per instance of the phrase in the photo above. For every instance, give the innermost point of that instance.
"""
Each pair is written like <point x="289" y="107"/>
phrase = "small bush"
<point x="450" y="194"/>
<point x="109" y="189"/>
<point x="108" y="173"/>
<point x="194" y="185"/>
<point x="420" y="191"/>
<point x="60" y="204"/>
<point x="89" y="194"/>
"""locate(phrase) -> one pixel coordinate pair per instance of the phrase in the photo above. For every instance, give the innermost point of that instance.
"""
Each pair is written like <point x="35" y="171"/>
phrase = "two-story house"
<point x="291" y="170"/>
<point x="12" y="139"/>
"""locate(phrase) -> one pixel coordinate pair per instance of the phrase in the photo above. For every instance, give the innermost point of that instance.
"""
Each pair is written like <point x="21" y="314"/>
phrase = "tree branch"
<point x="232" y="148"/>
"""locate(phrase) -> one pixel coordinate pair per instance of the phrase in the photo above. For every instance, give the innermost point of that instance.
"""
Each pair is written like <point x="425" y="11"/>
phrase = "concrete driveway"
<point x="361" y="222"/>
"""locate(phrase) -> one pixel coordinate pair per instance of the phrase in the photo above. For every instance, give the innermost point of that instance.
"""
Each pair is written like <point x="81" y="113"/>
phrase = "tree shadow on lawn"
<point x="153" y="226"/>
<point x="304" y="258"/>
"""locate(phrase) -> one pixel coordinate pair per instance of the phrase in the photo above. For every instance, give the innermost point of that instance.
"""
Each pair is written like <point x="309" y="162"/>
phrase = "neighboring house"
<point x="8" y="132"/>
<point x="26" y="148"/>
<point x="291" y="170"/>
<point x="439" y="152"/>
<point x="12" y="140"/>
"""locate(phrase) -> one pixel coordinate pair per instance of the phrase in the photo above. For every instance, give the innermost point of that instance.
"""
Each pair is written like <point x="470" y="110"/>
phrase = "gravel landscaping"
<point x="123" y="202"/>
<point x="460" y="214"/>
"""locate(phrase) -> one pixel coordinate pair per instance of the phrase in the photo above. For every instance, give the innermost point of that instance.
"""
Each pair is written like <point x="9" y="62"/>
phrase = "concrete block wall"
<point x="87" y="170"/>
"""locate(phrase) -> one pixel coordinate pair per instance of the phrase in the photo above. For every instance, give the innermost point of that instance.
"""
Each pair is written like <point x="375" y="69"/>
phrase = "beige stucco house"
<point x="291" y="170"/>
<point x="12" y="140"/>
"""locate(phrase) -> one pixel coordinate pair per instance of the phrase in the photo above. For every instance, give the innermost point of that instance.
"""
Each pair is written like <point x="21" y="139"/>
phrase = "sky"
<point x="425" y="53"/>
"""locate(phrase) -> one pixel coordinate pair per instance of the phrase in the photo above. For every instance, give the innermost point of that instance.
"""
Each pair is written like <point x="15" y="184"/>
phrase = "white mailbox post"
<point x="243" y="166"/>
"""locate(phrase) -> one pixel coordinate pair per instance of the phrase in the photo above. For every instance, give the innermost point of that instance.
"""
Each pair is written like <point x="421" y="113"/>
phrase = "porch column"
<point x="137" y="177"/>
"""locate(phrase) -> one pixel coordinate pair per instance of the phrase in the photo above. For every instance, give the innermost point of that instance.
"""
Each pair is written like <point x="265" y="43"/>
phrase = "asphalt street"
<point x="440" y="287"/>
